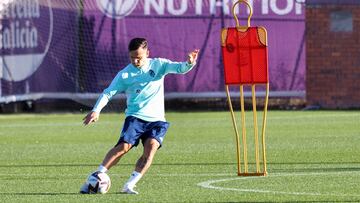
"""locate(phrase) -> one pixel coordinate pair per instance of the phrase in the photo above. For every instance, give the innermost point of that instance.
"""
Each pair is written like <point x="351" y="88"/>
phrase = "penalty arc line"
<point x="209" y="185"/>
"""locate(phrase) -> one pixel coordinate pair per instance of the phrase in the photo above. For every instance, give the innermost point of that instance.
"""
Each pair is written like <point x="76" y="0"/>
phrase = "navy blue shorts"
<point x="135" y="129"/>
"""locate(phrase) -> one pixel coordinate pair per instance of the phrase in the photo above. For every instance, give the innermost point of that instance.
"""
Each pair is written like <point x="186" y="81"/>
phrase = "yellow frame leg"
<point x="264" y="127"/>
<point x="243" y="128"/>
<point x="256" y="132"/>
<point x="235" y="128"/>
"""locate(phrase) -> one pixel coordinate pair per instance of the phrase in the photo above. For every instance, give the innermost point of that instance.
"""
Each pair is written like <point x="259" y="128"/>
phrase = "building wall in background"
<point x="333" y="54"/>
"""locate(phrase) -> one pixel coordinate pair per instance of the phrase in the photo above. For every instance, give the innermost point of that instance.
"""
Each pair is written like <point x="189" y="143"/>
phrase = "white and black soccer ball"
<point x="98" y="183"/>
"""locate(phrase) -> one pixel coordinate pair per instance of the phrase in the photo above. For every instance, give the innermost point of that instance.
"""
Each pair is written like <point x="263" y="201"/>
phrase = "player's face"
<point x="138" y="57"/>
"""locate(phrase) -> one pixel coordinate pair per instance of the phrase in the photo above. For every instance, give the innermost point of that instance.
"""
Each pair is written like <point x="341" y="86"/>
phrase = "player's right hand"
<point x="192" y="56"/>
<point x="90" y="118"/>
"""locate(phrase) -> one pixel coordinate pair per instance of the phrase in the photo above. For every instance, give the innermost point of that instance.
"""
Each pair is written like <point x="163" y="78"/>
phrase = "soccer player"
<point x="143" y="83"/>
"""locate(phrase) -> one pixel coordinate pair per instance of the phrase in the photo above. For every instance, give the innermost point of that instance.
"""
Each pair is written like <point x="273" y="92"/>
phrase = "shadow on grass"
<point x="51" y="193"/>
<point x="322" y="166"/>
<point x="117" y="193"/>
<point x="330" y="164"/>
<point x="272" y="167"/>
<point x="96" y="165"/>
<point x="289" y="201"/>
<point x="322" y="169"/>
<point x="38" y="193"/>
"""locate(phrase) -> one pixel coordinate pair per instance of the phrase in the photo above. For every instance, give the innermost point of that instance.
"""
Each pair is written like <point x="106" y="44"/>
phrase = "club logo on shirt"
<point x="138" y="91"/>
<point x="152" y="73"/>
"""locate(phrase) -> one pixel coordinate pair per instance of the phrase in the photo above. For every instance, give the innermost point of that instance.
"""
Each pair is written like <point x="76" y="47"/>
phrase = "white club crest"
<point x="117" y="8"/>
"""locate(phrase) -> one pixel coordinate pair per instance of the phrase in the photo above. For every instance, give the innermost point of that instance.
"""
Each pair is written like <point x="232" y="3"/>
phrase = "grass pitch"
<point x="312" y="157"/>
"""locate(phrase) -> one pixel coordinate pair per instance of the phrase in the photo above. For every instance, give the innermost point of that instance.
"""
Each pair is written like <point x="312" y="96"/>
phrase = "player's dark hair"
<point x="136" y="43"/>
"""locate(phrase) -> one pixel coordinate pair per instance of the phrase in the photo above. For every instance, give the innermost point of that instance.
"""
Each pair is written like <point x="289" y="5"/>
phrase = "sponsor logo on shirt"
<point x="152" y="73"/>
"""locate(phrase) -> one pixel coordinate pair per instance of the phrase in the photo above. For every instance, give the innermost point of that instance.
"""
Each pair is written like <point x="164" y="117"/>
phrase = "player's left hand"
<point x="91" y="117"/>
<point x="192" y="56"/>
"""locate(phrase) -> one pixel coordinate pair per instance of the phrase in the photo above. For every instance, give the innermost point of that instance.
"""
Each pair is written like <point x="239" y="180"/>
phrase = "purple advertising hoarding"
<point x="78" y="46"/>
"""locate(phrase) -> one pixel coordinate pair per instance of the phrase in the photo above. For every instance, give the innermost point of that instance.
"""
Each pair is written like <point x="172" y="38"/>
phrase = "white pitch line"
<point x="209" y="185"/>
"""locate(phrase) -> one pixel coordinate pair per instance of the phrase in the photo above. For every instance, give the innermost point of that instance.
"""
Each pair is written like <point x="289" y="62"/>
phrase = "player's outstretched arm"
<point x="91" y="117"/>
<point x="181" y="67"/>
<point x="192" y="56"/>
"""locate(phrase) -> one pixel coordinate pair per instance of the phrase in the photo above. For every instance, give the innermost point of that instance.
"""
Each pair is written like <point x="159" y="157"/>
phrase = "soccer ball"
<point x="98" y="183"/>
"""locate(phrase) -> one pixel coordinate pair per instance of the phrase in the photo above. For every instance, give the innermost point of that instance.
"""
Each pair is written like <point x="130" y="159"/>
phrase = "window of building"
<point x="341" y="21"/>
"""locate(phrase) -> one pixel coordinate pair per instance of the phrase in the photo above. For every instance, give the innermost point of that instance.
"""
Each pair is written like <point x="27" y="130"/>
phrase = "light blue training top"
<point x="144" y="88"/>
